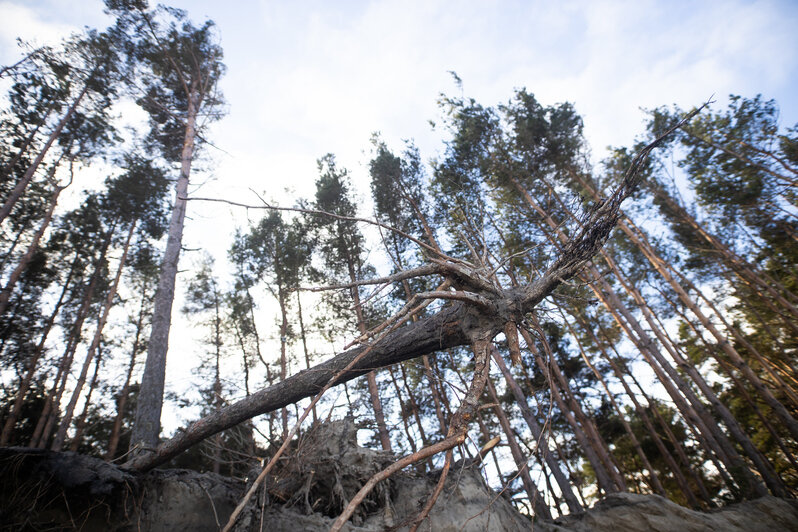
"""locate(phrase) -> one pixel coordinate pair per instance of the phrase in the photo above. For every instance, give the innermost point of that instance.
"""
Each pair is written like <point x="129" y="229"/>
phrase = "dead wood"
<point x="454" y="325"/>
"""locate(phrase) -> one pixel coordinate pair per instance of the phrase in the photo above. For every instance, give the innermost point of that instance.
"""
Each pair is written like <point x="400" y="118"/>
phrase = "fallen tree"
<point x="480" y="309"/>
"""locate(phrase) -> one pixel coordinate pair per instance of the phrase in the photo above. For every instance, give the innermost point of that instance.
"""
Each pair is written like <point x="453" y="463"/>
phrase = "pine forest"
<point x="576" y="328"/>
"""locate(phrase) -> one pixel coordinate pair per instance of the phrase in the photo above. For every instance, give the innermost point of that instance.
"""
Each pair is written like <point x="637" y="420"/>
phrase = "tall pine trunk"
<point x="283" y="348"/>
<point x="60" y="436"/>
<point x="538" y="435"/>
<point x="22" y="265"/>
<point x="521" y="462"/>
<point x="587" y="442"/>
<point x="371" y="376"/>
<point x="304" y="342"/>
<point x="681" y="480"/>
<point x="80" y="423"/>
<point x="124" y="393"/>
<point x="16" y="409"/>
<point x="147" y="426"/>
<point x="19" y="189"/>
<point x="723" y="343"/>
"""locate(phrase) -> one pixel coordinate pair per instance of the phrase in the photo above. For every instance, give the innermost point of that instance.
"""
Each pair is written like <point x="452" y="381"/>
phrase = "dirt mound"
<point x="629" y="512"/>
<point x="42" y="490"/>
<point x="311" y="487"/>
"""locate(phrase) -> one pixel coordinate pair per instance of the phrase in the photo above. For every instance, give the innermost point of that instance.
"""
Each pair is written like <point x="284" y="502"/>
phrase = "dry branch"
<point x="454" y="325"/>
<point x="390" y="470"/>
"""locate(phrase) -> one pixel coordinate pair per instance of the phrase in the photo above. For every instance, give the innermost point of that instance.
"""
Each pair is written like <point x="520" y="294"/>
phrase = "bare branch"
<point x="472" y="315"/>
<point x="397" y="277"/>
<point x="316" y="212"/>
<point x="400" y="464"/>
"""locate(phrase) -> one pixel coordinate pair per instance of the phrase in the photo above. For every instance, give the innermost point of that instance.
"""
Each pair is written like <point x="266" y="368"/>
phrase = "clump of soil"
<point x="321" y="474"/>
<point x="325" y="470"/>
<point x="43" y="490"/>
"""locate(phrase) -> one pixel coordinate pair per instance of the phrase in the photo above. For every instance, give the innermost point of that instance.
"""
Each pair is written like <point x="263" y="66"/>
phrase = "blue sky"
<point x="308" y="78"/>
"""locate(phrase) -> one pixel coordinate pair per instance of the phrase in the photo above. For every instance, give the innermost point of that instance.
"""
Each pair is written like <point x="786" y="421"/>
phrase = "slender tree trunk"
<point x="304" y="342"/>
<point x="521" y="463"/>
<point x="593" y="446"/>
<point x="283" y="346"/>
<point x="486" y="435"/>
<point x="124" y="393"/>
<point x="655" y="483"/>
<point x="405" y="412"/>
<point x="244" y="356"/>
<point x="80" y="424"/>
<point x="441" y="381"/>
<point x="249" y="435"/>
<point x="749" y="347"/>
<point x="60" y="436"/>
<point x="603" y="477"/>
<point x="216" y="458"/>
<point x="13" y="415"/>
<point x="537" y="435"/>
<point x="371" y="376"/>
<point x="413" y="405"/>
<point x="22" y="184"/>
<point x="681" y="480"/>
<point x="147" y="426"/>
<point x="766" y="471"/>
<point x="24" y="261"/>
<point x="436" y="393"/>
<point x="723" y="343"/>
<point x="47" y="419"/>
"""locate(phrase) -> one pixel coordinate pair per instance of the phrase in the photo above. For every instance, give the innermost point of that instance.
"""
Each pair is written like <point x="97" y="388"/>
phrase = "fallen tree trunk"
<point x="440" y="331"/>
<point x="453" y="326"/>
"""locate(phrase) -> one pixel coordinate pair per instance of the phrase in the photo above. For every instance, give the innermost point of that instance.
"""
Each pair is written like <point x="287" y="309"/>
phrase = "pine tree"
<point x="185" y="64"/>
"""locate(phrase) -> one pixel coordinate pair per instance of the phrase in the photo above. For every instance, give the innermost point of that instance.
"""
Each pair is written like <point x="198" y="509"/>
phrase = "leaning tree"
<point x="478" y="309"/>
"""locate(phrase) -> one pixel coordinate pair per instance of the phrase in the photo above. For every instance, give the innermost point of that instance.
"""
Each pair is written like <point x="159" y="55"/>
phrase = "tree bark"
<point x="22" y="265"/>
<point x="22" y="184"/>
<point x="80" y="424"/>
<point x="587" y="442"/>
<point x="47" y="419"/>
<point x="538" y="435"/>
<point x="124" y="393"/>
<point x="147" y="426"/>
<point x="790" y="423"/>
<point x="283" y="346"/>
<point x="13" y="415"/>
<point x="681" y="480"/>
<point x="655" y="483"/>
<point x="374" y="394"/>
<point x="60" y="436"/>
<point x="304" y="342"/>
<point x="521" y="462"/>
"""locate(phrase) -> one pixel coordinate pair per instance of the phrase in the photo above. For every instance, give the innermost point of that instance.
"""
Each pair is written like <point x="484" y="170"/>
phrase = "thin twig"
<point x="400" y="464"/>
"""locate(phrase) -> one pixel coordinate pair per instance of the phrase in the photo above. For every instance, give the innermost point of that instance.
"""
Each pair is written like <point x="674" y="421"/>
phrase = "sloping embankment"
<point x="44" y="490"/>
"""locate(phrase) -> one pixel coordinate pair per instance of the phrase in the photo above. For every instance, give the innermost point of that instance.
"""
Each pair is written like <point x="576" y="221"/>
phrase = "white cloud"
<point x="17" y="20"/>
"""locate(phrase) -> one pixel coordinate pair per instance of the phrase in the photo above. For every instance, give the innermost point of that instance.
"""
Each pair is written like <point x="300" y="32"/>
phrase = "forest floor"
<point x="42" y="490"/>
